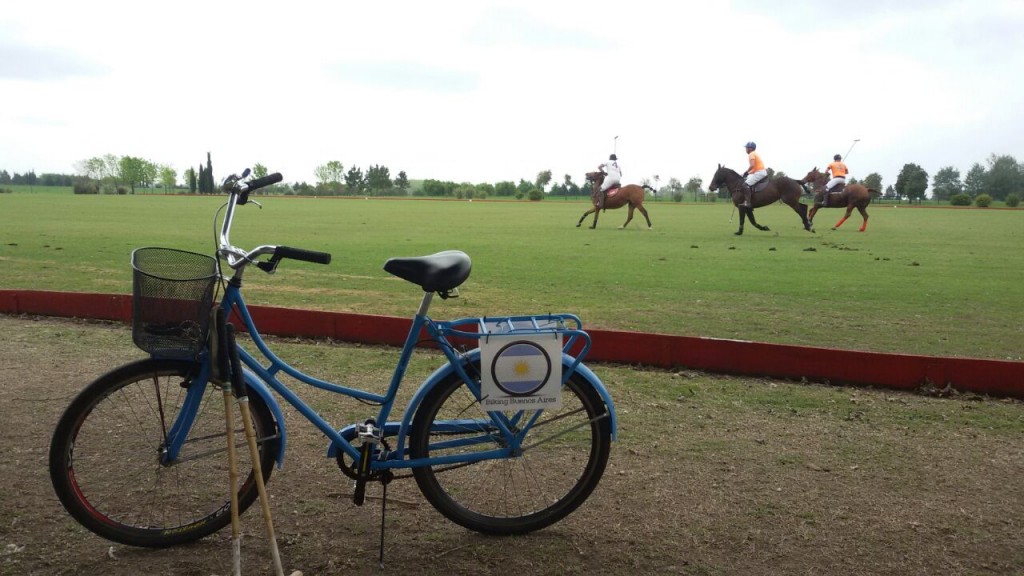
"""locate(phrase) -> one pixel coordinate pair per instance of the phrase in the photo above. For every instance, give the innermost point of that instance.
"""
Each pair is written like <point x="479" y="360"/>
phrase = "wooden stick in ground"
<point x="236" y="533"/>
<point x="241" y="393"/>
<point x="261" y="489"/>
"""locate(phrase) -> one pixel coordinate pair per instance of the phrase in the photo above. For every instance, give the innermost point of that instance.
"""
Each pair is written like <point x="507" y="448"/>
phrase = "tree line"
<point x="1002" y="179"/>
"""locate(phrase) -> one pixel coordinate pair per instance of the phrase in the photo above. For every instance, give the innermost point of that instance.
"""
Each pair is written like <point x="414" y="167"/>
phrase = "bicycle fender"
<point x="474" y="355"/>
<point x="257" y="385"/>
<point x="588" y="375"/>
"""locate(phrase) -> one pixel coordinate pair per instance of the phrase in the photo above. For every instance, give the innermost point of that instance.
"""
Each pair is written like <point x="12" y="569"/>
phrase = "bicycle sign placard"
<point x="521" y="371"/>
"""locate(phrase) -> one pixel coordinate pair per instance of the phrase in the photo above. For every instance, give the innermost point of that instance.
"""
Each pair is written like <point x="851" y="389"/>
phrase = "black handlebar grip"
<point x="264" y="181"/>
<point x="304" y="255"/>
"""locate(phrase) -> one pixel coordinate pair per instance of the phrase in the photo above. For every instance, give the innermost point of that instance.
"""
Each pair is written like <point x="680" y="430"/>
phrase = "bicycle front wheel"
<point x="108" y="459"/>
<point x="564" y="455"/>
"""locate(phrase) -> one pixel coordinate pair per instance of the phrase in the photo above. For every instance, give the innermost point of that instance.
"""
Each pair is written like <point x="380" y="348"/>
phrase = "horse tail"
<point x="648" y="187"/>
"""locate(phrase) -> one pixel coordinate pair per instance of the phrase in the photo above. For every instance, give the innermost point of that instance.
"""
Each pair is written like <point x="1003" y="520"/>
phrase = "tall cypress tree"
<point x="209" y="175"/>
<point x="202" y="180"/>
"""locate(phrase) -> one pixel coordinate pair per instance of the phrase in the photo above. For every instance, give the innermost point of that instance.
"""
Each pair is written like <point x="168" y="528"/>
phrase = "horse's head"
<point x="595" y="177"/>
<point x="721" y="178"/>
<point x="813" y="177"/>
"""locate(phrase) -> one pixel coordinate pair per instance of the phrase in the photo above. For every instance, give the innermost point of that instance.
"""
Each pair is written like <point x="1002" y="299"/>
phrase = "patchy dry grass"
<point x="712" y="476"/>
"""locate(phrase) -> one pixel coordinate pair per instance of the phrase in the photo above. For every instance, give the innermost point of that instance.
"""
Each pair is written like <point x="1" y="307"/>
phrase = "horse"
<point x="852" y="196"/>
<point x="765" y="192"/>
<point x="630" y="194"/>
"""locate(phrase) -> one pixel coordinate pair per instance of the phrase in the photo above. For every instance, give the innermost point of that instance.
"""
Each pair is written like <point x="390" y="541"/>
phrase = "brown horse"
<point x="852" y="196"/>
<point x="765" y="192"/>
<point x="630" y="194"/>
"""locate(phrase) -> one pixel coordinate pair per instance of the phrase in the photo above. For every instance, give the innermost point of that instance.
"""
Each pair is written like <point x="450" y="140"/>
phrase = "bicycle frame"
<point x="262" y="378"/>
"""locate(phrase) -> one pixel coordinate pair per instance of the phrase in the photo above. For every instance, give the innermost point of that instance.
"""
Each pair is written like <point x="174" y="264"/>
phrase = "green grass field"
<point x="926" y="281"/>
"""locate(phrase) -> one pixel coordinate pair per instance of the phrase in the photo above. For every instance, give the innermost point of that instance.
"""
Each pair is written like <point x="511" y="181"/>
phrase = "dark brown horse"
<point x="852" y="196"/>
<point x="630" y="194"/>
<point x="782" y="188"/>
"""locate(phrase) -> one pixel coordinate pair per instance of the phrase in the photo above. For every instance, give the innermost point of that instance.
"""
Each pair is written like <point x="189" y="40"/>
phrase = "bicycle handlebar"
<point x="304" y="255"/>
<point x="237" y="258"/>
<point x="247" y="187"/>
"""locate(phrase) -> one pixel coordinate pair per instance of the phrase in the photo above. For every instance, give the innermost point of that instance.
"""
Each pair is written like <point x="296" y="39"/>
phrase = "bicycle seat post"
<point x="428" y="297"/>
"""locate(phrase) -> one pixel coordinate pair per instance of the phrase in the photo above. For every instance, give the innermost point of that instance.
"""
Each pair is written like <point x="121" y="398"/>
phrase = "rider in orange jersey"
<point x="754" y="173"/>
<point x="838" y="170"/>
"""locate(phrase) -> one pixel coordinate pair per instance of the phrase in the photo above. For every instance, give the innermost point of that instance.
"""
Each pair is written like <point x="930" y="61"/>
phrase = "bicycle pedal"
<point x="368" y="433"/>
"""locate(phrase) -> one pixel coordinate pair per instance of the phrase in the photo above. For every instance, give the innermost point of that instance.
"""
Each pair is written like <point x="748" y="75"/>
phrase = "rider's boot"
<point x="824" y="198"/>
<point x="748" y="191"/>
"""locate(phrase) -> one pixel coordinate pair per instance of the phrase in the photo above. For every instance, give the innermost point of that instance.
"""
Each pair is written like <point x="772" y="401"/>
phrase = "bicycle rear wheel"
<point x="106" y="457"/>
<point x="564" y="456"/>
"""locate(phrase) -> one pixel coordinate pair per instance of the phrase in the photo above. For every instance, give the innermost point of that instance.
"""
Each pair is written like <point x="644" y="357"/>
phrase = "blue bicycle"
<point x="137" y="457"/>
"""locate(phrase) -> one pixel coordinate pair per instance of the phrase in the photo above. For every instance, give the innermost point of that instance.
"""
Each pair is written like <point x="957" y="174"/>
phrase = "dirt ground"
<point x="711" y="476"/>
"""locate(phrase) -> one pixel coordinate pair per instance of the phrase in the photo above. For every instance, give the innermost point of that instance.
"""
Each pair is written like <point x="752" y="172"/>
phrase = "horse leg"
<point x="750" y="213"/>
<point x="629" y="216"/>
<point x="810" y="216"/>
<point x="743" y="218"/>
<point x="584" y="217"/>
<point x="597" y="212"/>
<point x="849" y="210"/>
<point x="801" y="209"/>
<point x="864" y="213"/>
<point x="646" y="217"/>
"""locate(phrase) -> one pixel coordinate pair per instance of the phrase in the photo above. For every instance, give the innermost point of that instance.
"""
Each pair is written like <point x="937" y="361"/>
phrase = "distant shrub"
<point x="983" y="201"/>
<point x="677" y="196"/>
<point x="85" y="186"/>
<point x="6" y="191"/>
<point x="536" y="194"/>
<point x="520" y="195"/>
<point x="1012" y="200"/>
<point x="960" y="200"/>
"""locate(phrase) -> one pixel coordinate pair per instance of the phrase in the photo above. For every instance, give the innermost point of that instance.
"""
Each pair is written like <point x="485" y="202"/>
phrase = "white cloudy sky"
<point x="484" y="91"/>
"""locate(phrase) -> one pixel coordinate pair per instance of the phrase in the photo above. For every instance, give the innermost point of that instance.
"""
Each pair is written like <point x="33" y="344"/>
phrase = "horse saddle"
<point x="761" y="184"/>
<point x="838" y="190"/>
<point x="613" y="190"/>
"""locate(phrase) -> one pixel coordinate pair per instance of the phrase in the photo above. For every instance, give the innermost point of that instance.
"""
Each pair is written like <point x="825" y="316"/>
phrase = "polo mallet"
<point x="615" y="145"/>
<point x="242" y="396"/>
<point x="847" y="156"/>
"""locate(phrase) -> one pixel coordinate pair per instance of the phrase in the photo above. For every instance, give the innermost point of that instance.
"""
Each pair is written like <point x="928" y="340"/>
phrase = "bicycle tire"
<point x="513" y="495"/>
<point x="105" y="451"/>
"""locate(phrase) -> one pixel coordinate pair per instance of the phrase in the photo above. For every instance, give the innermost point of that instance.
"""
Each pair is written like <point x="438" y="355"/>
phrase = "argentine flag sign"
<point x="521" y="371"/>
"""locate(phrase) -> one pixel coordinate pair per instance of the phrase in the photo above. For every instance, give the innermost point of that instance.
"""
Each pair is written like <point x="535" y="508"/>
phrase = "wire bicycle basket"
<point x="172" y="295"/>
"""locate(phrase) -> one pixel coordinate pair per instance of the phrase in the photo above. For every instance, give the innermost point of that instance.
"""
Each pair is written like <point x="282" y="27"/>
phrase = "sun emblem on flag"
<point x="521" y="368"/>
